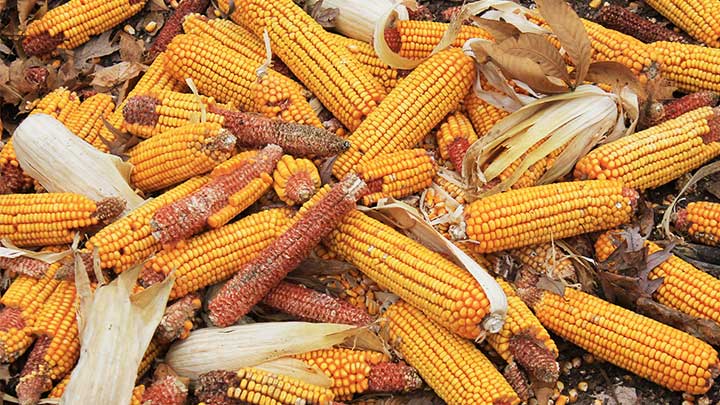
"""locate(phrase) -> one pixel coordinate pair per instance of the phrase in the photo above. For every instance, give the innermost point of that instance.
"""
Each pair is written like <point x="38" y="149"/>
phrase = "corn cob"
<point x="73" y="23"/>
<point x="233" y="187"/>
<point x="411" y="110"/>
<point x="621" y="19"/>
<point x="176" y="322"/>
<point x="397" y="174"/>
<point x="57" y="347"/>
<point x="232" y="35"/>
<point x="365" y="54"/>
<point x="295" y="180"/>
<point x="545" y="259"/>
<point x="155" y="349"/>
<point x="643" y="346"/>
<point x="59" y="388"/>
<point x="220" y="72"/>
<point x="129" y="239"/>
<point x="52" y="218"/>
<point x="179" y="154"/>
<point x="416" y="39"/>
<point x="216" y="255"/>
<point x="174" y="25"/>
<point x="454" y="137"/>
<point x="24" y="265"/>
<point x="87" y="120"/>
<point x="168" y="390"/>
<point x="683" y="287"/>
<point x="540" y="214"/>
<point x="466" y="375"/>
<point x="446" y="293"/>
<point x="307" y="304"/>
<point x="255" y="279"/>
<point x="360" y="371"/>
<point x="657" y="155"/>
<point x="697" y="18"/>
<point x="656" y="112"/>
<point x="354" y="287"/>
<point x="701" y="221"/>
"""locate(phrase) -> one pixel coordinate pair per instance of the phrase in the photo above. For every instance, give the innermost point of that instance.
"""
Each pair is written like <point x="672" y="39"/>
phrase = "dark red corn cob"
<point x="176" y="323"/>
<point x="168" y="390"/>
<point x="518" y="381"/>
<point x="457" y="150"/>
<point x="189" y="215"/>
<point x="676" y="108"/>
<point x="43" y="43"/>
<point x="393" y="377"/>
<point x="141" y="110"/>
<point x="393" y="38"/>
<point x="34" y="379"/>
<point x="308" y="304"/>
<point x="212" y="388"/>
<point x="263" y="273"/>
<point x="534" y="357"/>
<point x="24" y="265"/>
<point x="623" y="20"/>
<point x="714" y="124"/>
<point x="12" y="179"/>
<point x="173" y="25"/>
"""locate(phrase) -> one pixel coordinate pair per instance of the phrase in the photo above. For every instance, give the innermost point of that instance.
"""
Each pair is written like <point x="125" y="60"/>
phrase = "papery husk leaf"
<point x="410" y="221"/>
<point x="248" y="345"/>
<point x="669" y="211"/>
<point x="357" y="18"/>
<point x="541" y="51"/>
<point x="617" y="75"/>
<point x="296" y="368"/>
<point x="500" y="30"/>
<point x="9" y="250"/>
<point x="61" y="162"/>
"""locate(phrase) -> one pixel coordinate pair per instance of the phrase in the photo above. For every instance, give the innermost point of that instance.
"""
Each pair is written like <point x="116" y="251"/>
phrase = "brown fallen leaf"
<point x="616" y="75"/>
<point x="542" y="52"/>
<point x="500" y="30"/>
<point x="158" y="5"/>
<point x="131" y="49"/>
<point x="95" y="48"/>
<point x="24" y="7"/>
<point x="108" y="77"/>
<point x="324" y="16"/>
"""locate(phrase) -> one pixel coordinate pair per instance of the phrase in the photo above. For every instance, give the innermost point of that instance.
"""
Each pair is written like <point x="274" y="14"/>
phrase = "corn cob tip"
<point x="34" y="378"/>
<point x="141" y="110"/>
<point x="714" y="123"/>
<point x="393" y="377"/>
<point x="518" y="381"/>
<point x="213" y="385"/>
<point x="42" y="43"/>
<point x="354" y="187"/>
<point x="108" y="209"/>
<point x="681" y="220"/>
<point x="393" y="39"/>
<point x="534" y="357"/>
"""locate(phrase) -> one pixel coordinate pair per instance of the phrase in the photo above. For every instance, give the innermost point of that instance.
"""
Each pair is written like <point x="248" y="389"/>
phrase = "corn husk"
<point x="357" y="18"/>
<point x="10" y="251"/>
<point x="296" y="368"/>
<point x="115" y="330"/>
<point x="248" y="345"/>
<point x="51" y="154"/>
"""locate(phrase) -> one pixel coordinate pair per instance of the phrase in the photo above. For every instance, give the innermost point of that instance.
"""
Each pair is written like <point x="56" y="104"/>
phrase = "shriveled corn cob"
<point x="696" y="17"/>
<point x="179" y="154"/>
<point x="361" y="371"/>
<point x="233" y="186"/>
<point x="73" y="23"/>
<point x="701" y="220"/>
<point x="52" y="218"/>
<point x="307" y="304"/>
<point x="341" y="83"/>
<point x="445" y="292"/>
<point x="216" y="255"/>
<point x="176" y="322"/>
<point x="466" y="375"/>
<point x="167" y="390"/>
<point x="87" y="120"/>
<point x="454" y="137"/>
<point x="547" y="259"/>
<point x="621" y="19"/>
<point x="684" y="287"/>
<point x="255" y="279"/>
<point x="657" y="155"/>
<point x="365" y="54"/>
<point x="411" y="110"/>
<point x="643" y="346"/>
<point x="174" y="25"/>
<point x="416" y="39"/>
<point x="295" y="180"/>
<point x="397" y="174"/>
<point x="541" y="214"/>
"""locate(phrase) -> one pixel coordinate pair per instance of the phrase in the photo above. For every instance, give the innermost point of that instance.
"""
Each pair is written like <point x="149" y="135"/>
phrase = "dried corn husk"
<point x="10" y="251"/>
<point x="356" y="18"/>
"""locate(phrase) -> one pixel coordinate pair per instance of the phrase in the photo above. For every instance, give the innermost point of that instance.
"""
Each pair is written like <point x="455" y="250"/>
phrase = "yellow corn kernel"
<point x="397" y="174"/>
<point x="546" y="259"/>
<point x="701" y="220"/>
<point x="418" y="38"/>
<point x="454" y="137"/>
<point x="365" y="54"/>
<point x="87" y="120"/>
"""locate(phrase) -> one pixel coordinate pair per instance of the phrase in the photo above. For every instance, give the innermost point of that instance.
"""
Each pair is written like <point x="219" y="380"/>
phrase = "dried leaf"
<point x="5" y="49"/>
<point x="122" y="143"/>
<point x="111" y="76"/>
<point x="703" y="329"/>
<point x="616" y="75"/>
<point x="131" y="49"/>
<point x="158" y="5"/>
<point x="500" y="30"/>
<point x="24" y="7"/>
<point x="554" y="286"/>
<point x="708" y="169"/>
<point x="95" y="48"/>
<point x="541" y="51"/>
<point x="570" y="31"/>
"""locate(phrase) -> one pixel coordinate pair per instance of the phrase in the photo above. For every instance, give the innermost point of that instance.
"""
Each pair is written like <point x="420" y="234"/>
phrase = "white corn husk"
<point x="357" y="18"/>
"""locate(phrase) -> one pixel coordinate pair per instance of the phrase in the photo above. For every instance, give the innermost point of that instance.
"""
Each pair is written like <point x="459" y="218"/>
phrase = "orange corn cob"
<point x="215" y="255"/>
<point x="295" y="180"/>
<point x="87" y="119"/>
<point x="701" y="220"/>
<point x="168" y="390"/>
<point x="482" y="114"/>
<point x="59" y="388"/>
<point x="179" y="154"/>
<point x="697" y="18"/>
<point x="684" y="287"/>
<point x="255" y="279"/>
<point x="416" y="39"/>
<point x="397" y="174"/>
<point x="540" y="214"/>
<point x="232" y="188"/>
<point x="657" y="155"/>
<point x="545" y="259"/>
<point x="454" y="137"/>
<point x="232" y="35"/>
<point x="411" y="110"/>
<point x="365" y="54"/>
<point x="621" y="19"/>
<point x="155" y="349"/>
<point x="307" y="304"/>
<point x="466" y="375"/>
<point x="643" y="346"/>
<point x="176" y="322"/>
<point x="174" y="25"/>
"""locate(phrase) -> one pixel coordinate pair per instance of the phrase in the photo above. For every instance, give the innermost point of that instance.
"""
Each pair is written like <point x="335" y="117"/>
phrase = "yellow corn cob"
<point x="365" y="54"/>
<point x="482" y="114"/>
<point x="454" y="137"/>
<point x="701" y="220"/>
<point x="541" y="214"/>
<point x="260" y="387"/>
<point x="155" y="349"/>
<point x="87" y="120"/>
<point x="697" y="18"/>
<point x="684" y="287"/>
<point x="638" y="344"/>
<point x="453" y="189"/>
<point x="295" y="180"/>
<point x="60" y="103"/>
<point x="546" y="259"/>
<point x="129" y="239"/>
<point x="51" y="218"/>
<point x="216" y="255"/>
<point x="178" y="154"/>
<point x="73" y="23"/>
<point x="397" y="174"/>
<point x="59" y="388"/>
<point x="137" y="395"/>
<point x="657" y="155"/>
<point x="411" y="110"/>
<point x="232" y="35"/>
<point x="427" y="280"/>
<point x="330" y="72"/>
<point x="416" y="39"/>
<point x="466" y="375"/>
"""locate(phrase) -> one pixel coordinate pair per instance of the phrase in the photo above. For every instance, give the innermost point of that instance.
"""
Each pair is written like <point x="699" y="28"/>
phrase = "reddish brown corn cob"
<point x="700" y="220"/>
<point x="73" y="23"/>
<point x="690" y="102"/>
<point x="684" y="287"/>
<point x="168" y="390"/>
<point x="176" y="323"/>
<point x="657" y="155"/>
<point x="697" y="18"/>
<point x="446" y="293"/>
<point x="621" y="19"/>
<point x="397" y="174"/>
<point x="411" y="110"/>
<point x="361" y="371"/>
<point x="295" y="180"/>
<point x="87" y="120"/>
<point x="255" y="279"/>
<point x="416" y="39"/>
<point x="365" y="54"/>
<point x="174" y="25"/>
<point x="339" y="81"/>
<point x="232" y="188"/>
<point x="546" y="259"/>
<point x="648" y="348"/>
<point x="215" y="255"/>
<point x="57" y="347"/>
<point x="52" y="218"/>
<point x="454" y="137"/>
<point x="466" y="377"/>
<point x="129" y="239"/>
<point x="24" y="265"/>
<point x="179" y="154"/>
<point x="548" y="212"/>
<point x="307" y="304"/>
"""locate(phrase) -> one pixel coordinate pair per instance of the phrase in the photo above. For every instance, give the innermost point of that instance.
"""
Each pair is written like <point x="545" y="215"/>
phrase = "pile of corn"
<point x="244" y="191"/>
